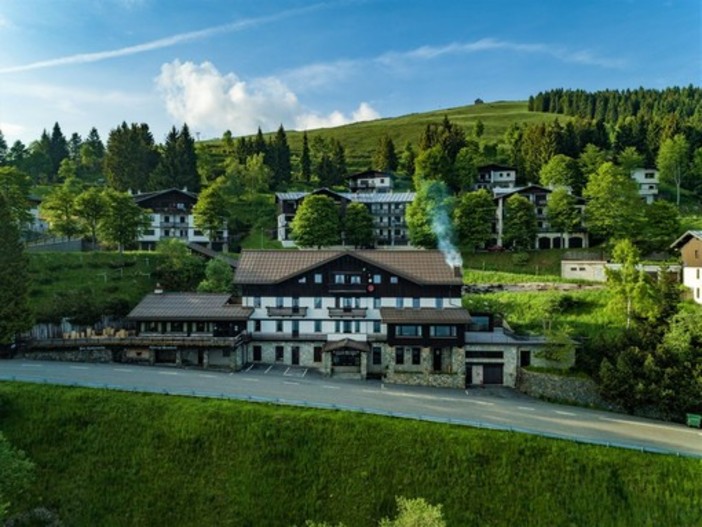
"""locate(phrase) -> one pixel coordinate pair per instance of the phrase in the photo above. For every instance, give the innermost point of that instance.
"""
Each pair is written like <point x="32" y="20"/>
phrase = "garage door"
<point x="493" y="373"/>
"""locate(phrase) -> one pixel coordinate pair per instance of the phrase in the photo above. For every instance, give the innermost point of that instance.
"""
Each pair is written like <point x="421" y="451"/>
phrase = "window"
<point x="197" y="232"/>
<point x="257" y="353"/>
<point x="377" y="279"/>
<point x="338" y="278"/>
<point x="149" y="232"/>
<point x="257" y="301"/>
<point x="399" y="302"/>
<point x="524" y="358"/>
<point x="408" y="330"/>
<point x="698" y="274"/>
<point x="439" y="303"/>
<point x="393" y="279"/>
<point x="318" y="278"/>
<point x="167" y="219"/>
<point x="442" y="331"/>
<point x="200" y="327"/>
<point x="295" y="327"/>
<point x="347" y="302"/>
<point x="302" y="280"/>
<point x="176" y="327"/>
<point x="279" y="353"/>
<point x="377" y="356"/>
<point x="399" y="355"/>
<point x="650" y="175"/>
<point x="182" y="219"/>
<point x="355" y="279"/>
<point x="416" y="356"/>
<point x="317" y="326"/>
<point x="347" y="326"/>
<point x="415" y="303"/>
<point x="257" y="325"/>
<point x="357" y="326"/>
<point x="166" y="232"/>
<point x="279" y="326"/>
<point x="337" y="326"/>
<point x="376" y="303"/>
<point x="318" y="354"/>
<point x="376" y="326"/>
<point x="318" y="302"/>
<point x="279" y="302"/>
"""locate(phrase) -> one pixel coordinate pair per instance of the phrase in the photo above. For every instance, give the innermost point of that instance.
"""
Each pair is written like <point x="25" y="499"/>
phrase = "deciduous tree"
<point x="123" y="221"/>
<point x="673" y="163"/>
<point x="358" y="226"/>
<point x="317" y="222"/>
<point x="561" y="210"/>
<point x="520" y="228"/>
<point x="89" y="208"/>
<point x="58" y="209"/>
<point x="219" y="277"/>
<point x="212" y="208"/>
<point x="473" y="218"/>
<point x="560" y="170"/>
<point x="14" y="186"/>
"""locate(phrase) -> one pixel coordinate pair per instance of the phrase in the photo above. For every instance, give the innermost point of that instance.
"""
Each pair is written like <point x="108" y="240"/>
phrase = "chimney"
<point x="158" y="290"/>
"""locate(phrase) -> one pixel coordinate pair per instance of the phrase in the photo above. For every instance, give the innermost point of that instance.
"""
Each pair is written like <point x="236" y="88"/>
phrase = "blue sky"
<point x="240" y="64"/>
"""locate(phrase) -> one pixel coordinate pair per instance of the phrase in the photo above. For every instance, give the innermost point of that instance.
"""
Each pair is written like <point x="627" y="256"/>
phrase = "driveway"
<point x="495" y="408"/>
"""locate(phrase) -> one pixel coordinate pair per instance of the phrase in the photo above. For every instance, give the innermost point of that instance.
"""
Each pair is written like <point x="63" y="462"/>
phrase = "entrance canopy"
<point x="346" y="344"/>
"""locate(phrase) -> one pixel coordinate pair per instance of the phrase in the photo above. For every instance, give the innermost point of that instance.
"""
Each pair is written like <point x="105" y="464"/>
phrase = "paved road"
<point x="499" y="408"/>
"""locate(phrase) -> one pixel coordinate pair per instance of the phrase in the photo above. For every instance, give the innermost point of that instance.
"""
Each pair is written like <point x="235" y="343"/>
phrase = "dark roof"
<point x="425" y="315"/>
<point x="346" y="344"/>
<point x="209" y="253"/>
<point x="188" y="306"/>
<point x="145" y="196"/>
<point x="370" y="173"/>
<point x="362" y="197"/>
<point x="504" y="192"/>
<point x="494" y="166"/>
<point x="677" y="244"/>
<point x="272" y="267"/>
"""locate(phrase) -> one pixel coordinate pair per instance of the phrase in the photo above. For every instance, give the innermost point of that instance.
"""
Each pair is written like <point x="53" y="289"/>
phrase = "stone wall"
<point x="436" y="380"/>
<point x="103" y="355"/>
<point x="561" y="388"/>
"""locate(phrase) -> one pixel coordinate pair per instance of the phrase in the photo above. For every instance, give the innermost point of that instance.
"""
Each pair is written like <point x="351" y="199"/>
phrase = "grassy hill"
<point x="361" y="139"/>
<point x="109" y="458"/>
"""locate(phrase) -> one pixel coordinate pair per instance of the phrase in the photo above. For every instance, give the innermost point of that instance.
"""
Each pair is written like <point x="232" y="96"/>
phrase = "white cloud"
<point x="213" y="102"/>
<point x="11" y="129"/>
<point x="166" y="42"/>
<point x="488" y="44"/>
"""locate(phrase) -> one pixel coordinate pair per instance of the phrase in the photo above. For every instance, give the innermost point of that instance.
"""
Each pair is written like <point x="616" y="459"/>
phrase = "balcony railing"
<point x="347" y="312"/>
<point x="346" y="288"/>
<point x="287" y="311"/>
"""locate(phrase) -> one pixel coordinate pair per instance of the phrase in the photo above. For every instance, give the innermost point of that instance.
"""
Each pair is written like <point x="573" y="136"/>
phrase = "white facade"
<point x="495" y="176"/>
<point x="374" y="182"/>
<point x="692" y="279"/>
<point x="647" y="181"/>
<point x="179" y="225"/>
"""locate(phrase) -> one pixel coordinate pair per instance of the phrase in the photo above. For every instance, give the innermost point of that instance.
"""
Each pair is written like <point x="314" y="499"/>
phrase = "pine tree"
<point x="384" y="157"/>
<point x="280" y="159"/>
<point x="177" y="167"/>
<point x="131" y="157"/>
<point x="3" y="149"/>
<point x="305" y="160"/>
<point x="15" y="314"/>
<point x="58" y="149"/>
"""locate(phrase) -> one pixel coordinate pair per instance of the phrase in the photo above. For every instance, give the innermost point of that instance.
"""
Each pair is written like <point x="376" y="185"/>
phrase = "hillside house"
<point x="387" y="209"/>
<point x="647" y="181"/>
<point x="690" y="247"/>
<point x="171" y="213"/>
<point x="547" y="237"/>
<point x="370" y="181"/>
<point x="495" y="176"/>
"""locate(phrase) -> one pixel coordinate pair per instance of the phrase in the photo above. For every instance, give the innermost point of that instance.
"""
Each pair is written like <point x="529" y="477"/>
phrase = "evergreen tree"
<point x="407" y="160"/>
<point x="630" y="159"/>
<point x="473" y="218"/>
<point x="280" y="159"/>
<point x="74" y="145"/>
<point x="317" y="222"/>
<point x="338" y="158"/>
<point x="431" y="165"/>
<point x="14" y="187"/>
<point x="384" y="157"/>
<point x="58" y="149"/>
<point x="358" y="226"/>
<point x="177" y="167"/>
<point x="15" y="314"/>
<point x="17" y="155"/>
<point x="259" y="144"/>
<point x="520" y="227"/>
<point x="3" y="149"/>
<point x="305" y="160"/>
<point x="130" y="157"/>
<point x="591" y="159"/>
<point x="91" y="159"/>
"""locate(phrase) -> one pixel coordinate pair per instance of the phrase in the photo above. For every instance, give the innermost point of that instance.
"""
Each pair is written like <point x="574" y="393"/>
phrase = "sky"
<point x="239" y="64"/>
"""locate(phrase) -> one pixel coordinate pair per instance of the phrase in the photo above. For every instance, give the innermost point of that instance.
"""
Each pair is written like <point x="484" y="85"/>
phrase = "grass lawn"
<point x="110" y="458"/>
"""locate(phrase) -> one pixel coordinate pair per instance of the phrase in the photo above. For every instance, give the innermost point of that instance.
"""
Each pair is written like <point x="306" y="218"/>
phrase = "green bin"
<point x="694" y="420"/>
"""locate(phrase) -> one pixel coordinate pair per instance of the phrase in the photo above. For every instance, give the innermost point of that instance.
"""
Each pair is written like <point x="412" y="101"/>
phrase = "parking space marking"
<point x="527" y="408"/>
<point x="247" y="379"/>
<point x="249" y="368"/>
<point x="79" y="367"/>
<point x="482" y="403"/>
<point x="304" y="372"/>
<point x="122" y="370"/>
<point x="168" y="373"/>
<point x="269" y="368"/>
<point x="330" y="387"/>
<point x="291" y="382"/>
<point x="286" y="371"/>
<point x="31" y="365"/>
<point x="561" y="412"/>
<point x="207" y="376"/>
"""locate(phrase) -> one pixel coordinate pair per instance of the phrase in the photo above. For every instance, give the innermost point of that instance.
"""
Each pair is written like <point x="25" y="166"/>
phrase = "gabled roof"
<point x="188" y="307"/>
<point x="362" y="197"/>
<point x="273" y="267"/>
<point x="505" y="192"/>
<point x="357" y="345"/>
<point x="450" y="315"/>
<point x="494" y="166"/>
<point x="145" y="196"/>
<point x="677" y="244"/>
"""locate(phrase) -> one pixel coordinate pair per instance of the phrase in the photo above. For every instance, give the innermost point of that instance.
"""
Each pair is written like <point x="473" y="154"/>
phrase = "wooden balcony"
<point x="347" y="312"/>
<point x="287" y="311"/>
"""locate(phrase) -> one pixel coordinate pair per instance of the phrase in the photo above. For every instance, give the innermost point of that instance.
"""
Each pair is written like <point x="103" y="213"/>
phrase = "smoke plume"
<point x="441" y="224"/>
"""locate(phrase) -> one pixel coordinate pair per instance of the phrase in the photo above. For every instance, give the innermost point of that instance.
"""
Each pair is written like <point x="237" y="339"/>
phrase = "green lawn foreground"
<point x="110" y="458"/>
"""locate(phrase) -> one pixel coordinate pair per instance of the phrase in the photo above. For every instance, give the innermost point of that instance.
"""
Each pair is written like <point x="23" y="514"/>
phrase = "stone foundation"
<point x="101" y="356"/>
<point x="436" y="380"/>
<point x="578" y="390"/>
